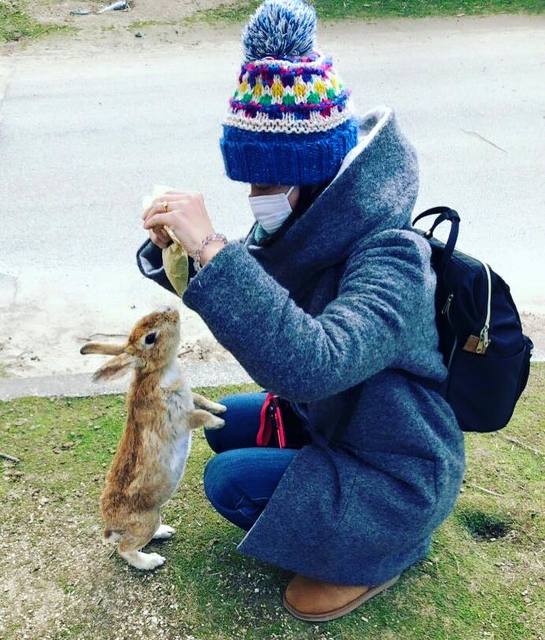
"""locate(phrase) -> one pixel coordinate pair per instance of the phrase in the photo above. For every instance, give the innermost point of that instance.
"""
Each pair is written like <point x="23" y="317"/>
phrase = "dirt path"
<point x="64" y="584"/>
<point x="148" y="23"/>
<point x="159" y="10"/>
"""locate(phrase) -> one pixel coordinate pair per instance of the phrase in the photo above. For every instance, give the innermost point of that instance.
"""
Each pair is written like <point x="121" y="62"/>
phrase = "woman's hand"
<point x="160" y="237"/>
<point x="187" y="216"/>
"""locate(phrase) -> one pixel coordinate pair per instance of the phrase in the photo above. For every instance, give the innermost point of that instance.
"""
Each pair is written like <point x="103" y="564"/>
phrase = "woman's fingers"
<point x="162" y="235"/>
<point x="170" y="197"/>
<point x="186" y="216"/>
<point x="159" y="219"/>
<point x="156" y="239"/>
<point x="159" y="239"/>
<point x="158" y="205"/>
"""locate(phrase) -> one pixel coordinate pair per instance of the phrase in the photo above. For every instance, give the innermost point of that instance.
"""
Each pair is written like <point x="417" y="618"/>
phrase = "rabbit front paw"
<point x="214" y="423"/>
<point x="202" y="418"/>
<point x="218" y="408"/>
<point x="209" y="405"/>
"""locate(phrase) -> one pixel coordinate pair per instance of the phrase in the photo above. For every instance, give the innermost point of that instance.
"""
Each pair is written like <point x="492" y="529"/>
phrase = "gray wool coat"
<point x="336" y="314"/>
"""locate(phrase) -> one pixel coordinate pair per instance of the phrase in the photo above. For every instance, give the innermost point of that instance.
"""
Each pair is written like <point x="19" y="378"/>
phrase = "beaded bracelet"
<point x="209" y="238"/>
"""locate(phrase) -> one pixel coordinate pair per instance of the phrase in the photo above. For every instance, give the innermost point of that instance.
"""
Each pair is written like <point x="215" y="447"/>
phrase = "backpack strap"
<point x="443" y="213"/>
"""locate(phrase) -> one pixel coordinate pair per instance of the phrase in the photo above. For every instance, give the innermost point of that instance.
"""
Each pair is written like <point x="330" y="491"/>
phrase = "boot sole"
<point x="342" y="611"/>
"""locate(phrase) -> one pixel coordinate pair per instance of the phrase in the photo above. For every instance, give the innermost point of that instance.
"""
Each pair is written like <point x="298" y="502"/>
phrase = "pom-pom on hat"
<point x="290" y="120"/>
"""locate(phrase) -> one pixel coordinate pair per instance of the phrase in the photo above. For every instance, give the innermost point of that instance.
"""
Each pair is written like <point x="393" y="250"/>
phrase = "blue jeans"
<point x="240" y="480"/>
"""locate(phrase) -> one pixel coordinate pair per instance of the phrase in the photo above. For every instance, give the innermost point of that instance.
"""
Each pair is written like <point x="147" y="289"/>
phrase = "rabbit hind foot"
<point x="142" y="561"/>
<point x="164" y="532"/>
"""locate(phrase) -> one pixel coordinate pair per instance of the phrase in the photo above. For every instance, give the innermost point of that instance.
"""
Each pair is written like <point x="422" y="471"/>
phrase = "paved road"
<point x="84" y="137"/>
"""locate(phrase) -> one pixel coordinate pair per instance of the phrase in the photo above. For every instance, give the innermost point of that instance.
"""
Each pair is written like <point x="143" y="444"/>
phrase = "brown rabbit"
<point x="151" y="456"/>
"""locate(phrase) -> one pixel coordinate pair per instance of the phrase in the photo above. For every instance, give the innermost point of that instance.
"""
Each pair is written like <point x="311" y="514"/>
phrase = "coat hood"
<point x="375" y="189"/>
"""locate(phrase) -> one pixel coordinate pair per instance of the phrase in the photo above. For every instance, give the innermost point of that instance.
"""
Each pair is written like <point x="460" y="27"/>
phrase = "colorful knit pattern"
<point x="290" y="121"/>
<point x="290" y="95"/>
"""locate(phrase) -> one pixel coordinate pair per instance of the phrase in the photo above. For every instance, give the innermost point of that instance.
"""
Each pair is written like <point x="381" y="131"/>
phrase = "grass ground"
<point x="339" y="9"/>
<point x="484" y="579"/>
<point x="17" y="23"/>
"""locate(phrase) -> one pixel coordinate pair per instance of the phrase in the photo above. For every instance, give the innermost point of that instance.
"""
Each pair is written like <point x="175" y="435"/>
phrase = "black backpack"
<point x="480" y="333"/>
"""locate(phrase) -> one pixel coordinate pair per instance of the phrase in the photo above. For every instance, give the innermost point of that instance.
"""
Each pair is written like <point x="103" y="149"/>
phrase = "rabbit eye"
<point x="150" y="338"/>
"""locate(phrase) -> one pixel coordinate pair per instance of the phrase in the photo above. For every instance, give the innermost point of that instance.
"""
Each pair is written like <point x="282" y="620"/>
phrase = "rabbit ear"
<point x="114" y="368"/>
<point x="103" y="348"/>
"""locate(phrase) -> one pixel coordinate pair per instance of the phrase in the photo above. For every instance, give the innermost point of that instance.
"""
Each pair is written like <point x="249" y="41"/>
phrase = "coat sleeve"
<point x="304" y="358"/>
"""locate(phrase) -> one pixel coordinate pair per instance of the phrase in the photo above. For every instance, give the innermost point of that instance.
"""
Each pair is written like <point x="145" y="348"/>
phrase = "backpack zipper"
<point x="446" y="312"/>
<point x="446" y="307"/>
<point x="484" y="340"/>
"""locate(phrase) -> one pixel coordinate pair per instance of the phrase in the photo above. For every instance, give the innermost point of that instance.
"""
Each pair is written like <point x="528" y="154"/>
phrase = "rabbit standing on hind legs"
<point x="152" y="453"/>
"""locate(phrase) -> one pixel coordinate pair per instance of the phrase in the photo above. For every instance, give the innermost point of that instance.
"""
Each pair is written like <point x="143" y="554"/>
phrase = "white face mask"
<point x="271" y="211"/>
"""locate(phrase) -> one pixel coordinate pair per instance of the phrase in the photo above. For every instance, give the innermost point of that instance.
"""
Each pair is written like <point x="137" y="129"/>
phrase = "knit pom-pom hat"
<point x="290" y="120"/>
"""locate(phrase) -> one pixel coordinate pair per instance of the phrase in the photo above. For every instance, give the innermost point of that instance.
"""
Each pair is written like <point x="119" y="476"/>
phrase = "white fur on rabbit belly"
<point x="178" y="458"/>
<point x="179" y="406"/>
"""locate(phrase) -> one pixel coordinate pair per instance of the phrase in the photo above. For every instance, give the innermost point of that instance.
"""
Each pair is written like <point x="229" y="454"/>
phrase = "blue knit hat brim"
<point x="286" y="159"/>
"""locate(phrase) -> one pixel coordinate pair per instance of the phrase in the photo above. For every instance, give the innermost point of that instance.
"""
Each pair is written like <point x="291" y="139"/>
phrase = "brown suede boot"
<point x="316" y="601"/>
